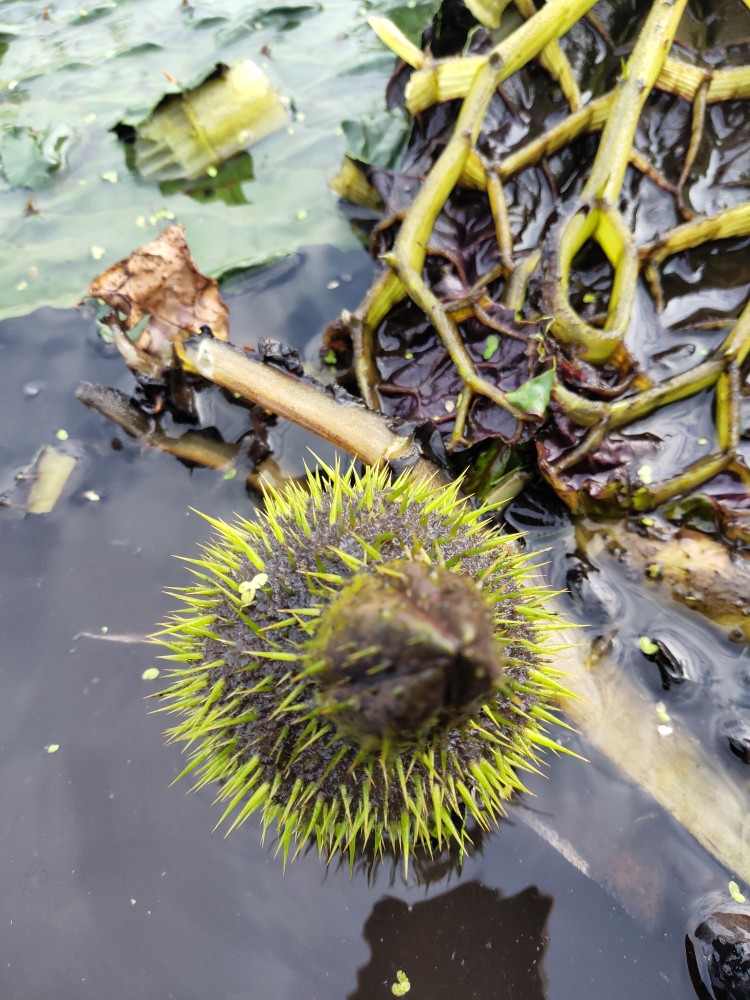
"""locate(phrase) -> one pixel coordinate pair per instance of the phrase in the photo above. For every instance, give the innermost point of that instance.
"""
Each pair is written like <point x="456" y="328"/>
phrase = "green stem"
<point x="630" y="95"/>
<point x="730" y="222"/>
<point x="552" y="21"/>
<point x="555" y="61"/>
<point x="596" y="215"/>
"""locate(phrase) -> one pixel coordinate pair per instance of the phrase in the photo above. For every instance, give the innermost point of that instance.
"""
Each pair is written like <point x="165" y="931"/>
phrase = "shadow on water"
<point x="113" y="885"/>
<point x="446" y="954"/>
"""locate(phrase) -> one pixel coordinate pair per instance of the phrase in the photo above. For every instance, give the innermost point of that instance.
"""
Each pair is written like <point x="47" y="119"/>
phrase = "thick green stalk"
<point x="552" y="21"/>
<point x="596" y="216"/>
<point x="630" y="95"/>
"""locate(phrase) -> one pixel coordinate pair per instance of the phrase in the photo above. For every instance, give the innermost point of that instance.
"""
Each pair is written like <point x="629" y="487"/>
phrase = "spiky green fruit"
<point x="363" y="665"/>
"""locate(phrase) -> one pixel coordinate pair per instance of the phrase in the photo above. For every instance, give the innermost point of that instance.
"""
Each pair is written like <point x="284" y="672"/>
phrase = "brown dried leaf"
<point x="161" y="281"/>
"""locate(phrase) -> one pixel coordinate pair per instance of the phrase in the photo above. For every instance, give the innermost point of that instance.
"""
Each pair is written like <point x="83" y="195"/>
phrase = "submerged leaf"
<point x="29" y="158"/>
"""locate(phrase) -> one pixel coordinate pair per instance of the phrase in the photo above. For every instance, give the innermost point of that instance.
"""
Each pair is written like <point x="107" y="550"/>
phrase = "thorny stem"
<point x="408" y="257"/>
<point x="595" y="215"/>
<point x="449" y="79"/>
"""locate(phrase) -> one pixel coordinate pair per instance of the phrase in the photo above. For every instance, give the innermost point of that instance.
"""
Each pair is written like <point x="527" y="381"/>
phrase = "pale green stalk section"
<point x="694" y="787"/>
<point x="723" y="84"/>
<point x="597" y="216"/>
<point x="396" y="41"/>
<point x="450" y="78"/>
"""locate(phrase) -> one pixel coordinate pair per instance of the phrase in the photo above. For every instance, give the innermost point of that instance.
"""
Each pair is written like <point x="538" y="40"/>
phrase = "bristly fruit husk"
<point x="363" y="665"/>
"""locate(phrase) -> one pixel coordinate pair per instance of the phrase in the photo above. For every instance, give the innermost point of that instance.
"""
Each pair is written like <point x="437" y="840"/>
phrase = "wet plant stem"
<point x="408" y="257"/>
<point x="596" y="216"/>
<point x="350" y="426"/>
<point x="732" y="352"/>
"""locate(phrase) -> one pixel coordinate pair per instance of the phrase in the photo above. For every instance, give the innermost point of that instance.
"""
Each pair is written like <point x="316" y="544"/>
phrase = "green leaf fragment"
<point x="150" y="674"/>
<point x="492" y="344"/>
<point x="533" y="396"/>
<point x="249" y="588"/>
<point x="402" y="984"/>
<point x="53" y="748"/>
<point x="648" y="647"/>
<point x="734" y="892"/>
<point x="646" y="474"/>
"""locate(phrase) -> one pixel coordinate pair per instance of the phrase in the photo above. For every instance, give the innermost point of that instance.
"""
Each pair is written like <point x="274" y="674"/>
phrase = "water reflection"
<point x="470" y="942"/>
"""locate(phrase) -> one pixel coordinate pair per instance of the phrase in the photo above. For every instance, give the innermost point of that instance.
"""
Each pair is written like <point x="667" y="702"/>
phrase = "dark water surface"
<point x="112" y="885"/>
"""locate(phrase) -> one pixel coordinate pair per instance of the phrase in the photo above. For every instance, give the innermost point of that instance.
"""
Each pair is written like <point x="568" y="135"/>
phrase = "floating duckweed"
<point x="402" y="985"/>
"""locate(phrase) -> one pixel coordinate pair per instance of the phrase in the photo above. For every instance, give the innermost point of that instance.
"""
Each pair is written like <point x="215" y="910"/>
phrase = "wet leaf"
<point x="110" y="67"/>
<point x="533" y="396"/>
<point x="162" y="295"/>
<point x="29" y="159"/>
<point x="378" y="140"/>
<point x="420" y="383"/>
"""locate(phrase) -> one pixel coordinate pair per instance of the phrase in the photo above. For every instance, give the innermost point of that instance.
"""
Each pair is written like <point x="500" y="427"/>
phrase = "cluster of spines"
<point x="439" y="794"/>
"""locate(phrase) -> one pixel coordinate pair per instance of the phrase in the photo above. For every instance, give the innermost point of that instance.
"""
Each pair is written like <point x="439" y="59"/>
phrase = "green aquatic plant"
<point x="363" y="665"/>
